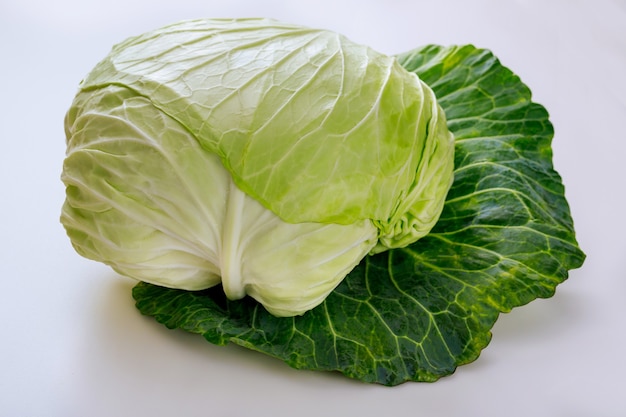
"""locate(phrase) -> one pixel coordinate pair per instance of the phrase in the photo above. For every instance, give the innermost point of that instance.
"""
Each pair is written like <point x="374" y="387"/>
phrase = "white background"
<point x="72" y="343"/>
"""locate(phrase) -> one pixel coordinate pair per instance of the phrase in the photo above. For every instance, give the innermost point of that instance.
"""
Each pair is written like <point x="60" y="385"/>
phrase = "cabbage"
<point x="265" y="157"/>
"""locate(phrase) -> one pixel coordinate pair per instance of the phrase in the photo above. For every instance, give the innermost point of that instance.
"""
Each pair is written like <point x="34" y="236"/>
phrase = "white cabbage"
<point x="266" y="157"/>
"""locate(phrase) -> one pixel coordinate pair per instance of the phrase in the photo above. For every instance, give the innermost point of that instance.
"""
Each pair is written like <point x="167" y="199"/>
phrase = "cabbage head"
<point x="264" y="157"/>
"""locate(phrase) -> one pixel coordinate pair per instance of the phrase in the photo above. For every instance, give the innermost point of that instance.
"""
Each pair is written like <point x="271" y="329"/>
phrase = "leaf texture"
<point x="505" y="238"/>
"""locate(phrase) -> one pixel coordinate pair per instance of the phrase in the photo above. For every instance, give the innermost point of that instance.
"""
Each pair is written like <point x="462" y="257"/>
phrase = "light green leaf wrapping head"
<point x="267" y="157"/>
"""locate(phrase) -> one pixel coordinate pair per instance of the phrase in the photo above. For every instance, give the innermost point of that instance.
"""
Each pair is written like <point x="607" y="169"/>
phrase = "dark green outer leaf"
<point x="505" y="238"/>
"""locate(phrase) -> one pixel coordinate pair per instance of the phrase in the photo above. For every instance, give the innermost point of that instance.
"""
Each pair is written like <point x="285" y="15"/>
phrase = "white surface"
<point x="73" y="343"/>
